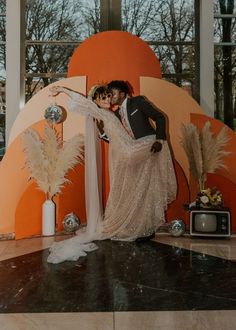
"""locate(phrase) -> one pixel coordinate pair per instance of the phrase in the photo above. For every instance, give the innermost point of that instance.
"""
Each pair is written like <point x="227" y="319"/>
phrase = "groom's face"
<point x="117" y="96"/>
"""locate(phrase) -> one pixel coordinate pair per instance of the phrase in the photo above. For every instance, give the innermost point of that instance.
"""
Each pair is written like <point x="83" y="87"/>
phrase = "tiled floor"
<point x="170" y="283"/>
<point x="218" y="247"/>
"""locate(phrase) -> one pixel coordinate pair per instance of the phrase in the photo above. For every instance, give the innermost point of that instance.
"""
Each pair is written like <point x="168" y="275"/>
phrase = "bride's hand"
<point x="55" y="90"/>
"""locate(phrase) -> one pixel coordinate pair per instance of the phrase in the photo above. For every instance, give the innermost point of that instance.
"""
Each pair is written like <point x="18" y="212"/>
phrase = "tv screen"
<point x="205" y="222"/>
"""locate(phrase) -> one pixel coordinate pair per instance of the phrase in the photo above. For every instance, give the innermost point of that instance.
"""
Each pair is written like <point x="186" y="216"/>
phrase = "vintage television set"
<point x="209" y="222"/>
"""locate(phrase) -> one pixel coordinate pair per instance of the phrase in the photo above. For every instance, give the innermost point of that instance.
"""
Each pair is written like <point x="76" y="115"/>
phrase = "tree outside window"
<point x="225" y="61"/>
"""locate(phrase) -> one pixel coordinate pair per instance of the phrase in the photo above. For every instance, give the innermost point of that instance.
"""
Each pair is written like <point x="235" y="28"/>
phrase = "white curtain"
<point x="93" y="177"/>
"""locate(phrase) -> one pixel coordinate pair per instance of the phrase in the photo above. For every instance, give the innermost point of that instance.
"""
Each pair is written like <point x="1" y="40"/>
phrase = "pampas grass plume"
<point x="205" y="151"/>
<point x="48" y="159"/>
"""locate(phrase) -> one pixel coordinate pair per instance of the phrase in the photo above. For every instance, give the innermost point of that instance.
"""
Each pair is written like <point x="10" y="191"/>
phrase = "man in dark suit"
<point x="135" y="114"/>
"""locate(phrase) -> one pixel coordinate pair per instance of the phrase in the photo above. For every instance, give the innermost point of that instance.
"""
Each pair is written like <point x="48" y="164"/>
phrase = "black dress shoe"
<point x="145" y="238"/>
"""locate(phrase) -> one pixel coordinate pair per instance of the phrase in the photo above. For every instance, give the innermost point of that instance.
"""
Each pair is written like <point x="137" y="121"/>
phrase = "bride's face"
<point x="104" y="101"/>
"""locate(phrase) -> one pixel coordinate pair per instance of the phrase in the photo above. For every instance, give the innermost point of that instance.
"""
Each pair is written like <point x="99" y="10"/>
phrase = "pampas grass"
<point x="205" y="151"/>
<point x="192" y="146"/>
<point x="48" y="159"/>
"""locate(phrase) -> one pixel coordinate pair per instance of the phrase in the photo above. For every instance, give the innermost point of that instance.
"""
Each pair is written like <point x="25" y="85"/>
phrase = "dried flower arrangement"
<point x="209" y="198"/>
<point x="48" y="159"/>
<point x="204" y="150"/>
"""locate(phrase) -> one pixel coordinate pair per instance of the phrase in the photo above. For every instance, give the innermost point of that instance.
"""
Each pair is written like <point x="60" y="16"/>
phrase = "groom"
<point x="135" y="114"/>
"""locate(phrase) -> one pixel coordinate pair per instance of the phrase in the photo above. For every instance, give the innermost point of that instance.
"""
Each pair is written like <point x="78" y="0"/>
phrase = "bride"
<point x="141" y="183"/>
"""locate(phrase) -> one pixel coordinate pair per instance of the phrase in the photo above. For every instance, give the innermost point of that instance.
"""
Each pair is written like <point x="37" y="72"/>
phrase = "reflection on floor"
<point x="169" y="283"/>
<point x="219" y="247"/>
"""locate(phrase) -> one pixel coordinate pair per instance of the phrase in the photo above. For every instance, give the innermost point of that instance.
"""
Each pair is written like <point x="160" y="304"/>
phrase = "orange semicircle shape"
<point x="114" y="55"/>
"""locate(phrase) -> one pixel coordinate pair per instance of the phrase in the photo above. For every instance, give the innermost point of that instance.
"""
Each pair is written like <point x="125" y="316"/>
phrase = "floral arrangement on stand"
<point x="48" y="160"/>
<point x="205" y="153"/>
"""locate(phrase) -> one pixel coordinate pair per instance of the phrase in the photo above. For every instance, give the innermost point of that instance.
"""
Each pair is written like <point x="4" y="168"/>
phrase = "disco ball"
<point x="53" y="114"/>
<point x="71" y="222"/>
<point x="177" y="228"/>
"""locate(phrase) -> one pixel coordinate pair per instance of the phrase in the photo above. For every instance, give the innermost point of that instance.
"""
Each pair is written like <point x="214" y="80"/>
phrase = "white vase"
<point x="48" y="221"/>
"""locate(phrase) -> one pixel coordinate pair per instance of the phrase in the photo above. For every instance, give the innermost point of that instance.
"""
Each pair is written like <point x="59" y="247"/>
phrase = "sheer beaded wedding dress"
<point x="141" y="185"/>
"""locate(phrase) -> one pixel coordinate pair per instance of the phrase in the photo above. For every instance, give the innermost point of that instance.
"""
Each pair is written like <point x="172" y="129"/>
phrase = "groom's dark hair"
<point x="121" y="85"/>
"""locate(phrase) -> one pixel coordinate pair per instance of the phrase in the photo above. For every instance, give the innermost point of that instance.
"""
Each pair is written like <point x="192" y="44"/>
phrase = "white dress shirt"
<point x="124" y="117"/>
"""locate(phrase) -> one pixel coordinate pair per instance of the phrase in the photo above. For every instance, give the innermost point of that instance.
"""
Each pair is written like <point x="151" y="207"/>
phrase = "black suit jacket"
<point x="139" y="110"/>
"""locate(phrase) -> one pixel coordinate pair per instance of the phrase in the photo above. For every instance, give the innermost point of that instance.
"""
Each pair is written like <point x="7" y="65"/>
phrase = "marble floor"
<point x="167" y="283"/>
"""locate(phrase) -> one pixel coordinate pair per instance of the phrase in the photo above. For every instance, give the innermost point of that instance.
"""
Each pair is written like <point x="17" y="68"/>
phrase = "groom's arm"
<point x="156" y="115"/>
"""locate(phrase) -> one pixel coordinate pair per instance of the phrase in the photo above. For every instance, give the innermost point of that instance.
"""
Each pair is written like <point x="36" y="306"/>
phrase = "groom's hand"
<point x="156" y="147"/>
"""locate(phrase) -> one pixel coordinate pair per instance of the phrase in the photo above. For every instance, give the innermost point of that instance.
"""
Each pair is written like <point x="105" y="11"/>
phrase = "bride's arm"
<point x="55" y="90"/>
<point x="78" y="102"/>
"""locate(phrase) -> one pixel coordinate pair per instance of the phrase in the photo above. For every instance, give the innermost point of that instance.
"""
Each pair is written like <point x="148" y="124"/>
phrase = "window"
<point x="225" y="61"/>
<point x="171" y="29"/>
<point x="53" y="30"/>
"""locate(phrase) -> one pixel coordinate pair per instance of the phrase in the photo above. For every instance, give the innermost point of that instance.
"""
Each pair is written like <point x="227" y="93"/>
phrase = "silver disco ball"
<point x="53" y="114"/>
<point x="177" y="228"/>
<point x="71" y="222"/>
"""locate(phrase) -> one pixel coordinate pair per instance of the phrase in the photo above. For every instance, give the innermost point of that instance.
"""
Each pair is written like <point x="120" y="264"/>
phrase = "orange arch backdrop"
<point x="101" y="58"/>
<point x="114" y="55"/>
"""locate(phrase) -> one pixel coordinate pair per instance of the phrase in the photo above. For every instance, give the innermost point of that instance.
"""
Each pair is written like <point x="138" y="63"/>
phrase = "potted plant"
<point x="48" y="160"/>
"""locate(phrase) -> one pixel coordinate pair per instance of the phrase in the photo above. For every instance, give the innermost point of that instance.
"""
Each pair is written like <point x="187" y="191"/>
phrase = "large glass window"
<point x="53" y="30"/>
<point x="225" y="61"/>
<point x="171" y="29"/>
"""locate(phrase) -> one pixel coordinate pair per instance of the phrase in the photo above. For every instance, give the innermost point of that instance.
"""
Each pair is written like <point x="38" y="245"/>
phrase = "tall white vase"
<point x="48" y="221"/>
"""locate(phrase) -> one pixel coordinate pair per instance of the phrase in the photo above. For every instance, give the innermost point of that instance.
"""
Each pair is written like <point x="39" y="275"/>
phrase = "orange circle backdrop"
<point x="114" y="55"/>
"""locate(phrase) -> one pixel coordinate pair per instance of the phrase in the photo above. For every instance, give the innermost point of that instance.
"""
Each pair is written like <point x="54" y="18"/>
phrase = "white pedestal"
<point x="48" y="215"/>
